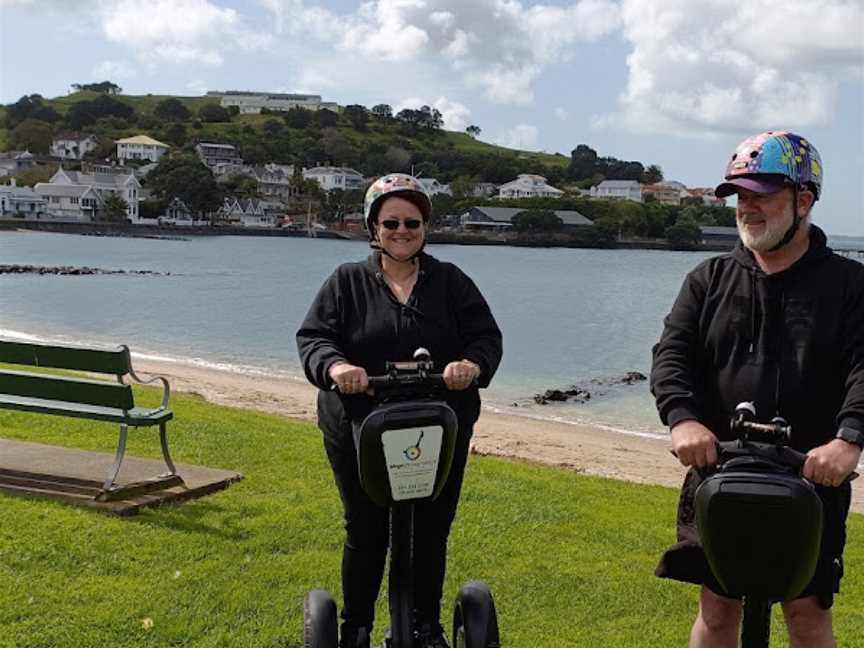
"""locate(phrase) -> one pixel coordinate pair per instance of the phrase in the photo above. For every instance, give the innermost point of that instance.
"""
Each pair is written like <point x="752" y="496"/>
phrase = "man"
<point x="779" y="321"/>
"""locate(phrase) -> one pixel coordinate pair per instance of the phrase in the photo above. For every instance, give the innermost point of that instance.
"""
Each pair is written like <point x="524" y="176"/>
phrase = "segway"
<point x="404" y="451"/>
<point x="759" y="521"/>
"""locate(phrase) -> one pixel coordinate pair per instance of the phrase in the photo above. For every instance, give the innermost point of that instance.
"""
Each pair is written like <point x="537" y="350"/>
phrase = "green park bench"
<point x="79" y="397"/>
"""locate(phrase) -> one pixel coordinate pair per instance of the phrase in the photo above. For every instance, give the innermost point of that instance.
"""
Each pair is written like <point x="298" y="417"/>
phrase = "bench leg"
<point x="118" y="458"/>
<point x="163" y="439"/>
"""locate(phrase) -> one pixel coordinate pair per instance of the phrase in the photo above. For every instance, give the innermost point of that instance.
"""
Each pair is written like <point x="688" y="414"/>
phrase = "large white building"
<point x="528" y="185"/>
<point x="331" y="178"/>
<point x="66" y="186"/>
<point x="618" y="190"/>
<point x="253" y="102"/>
<point x="140" y="147"/>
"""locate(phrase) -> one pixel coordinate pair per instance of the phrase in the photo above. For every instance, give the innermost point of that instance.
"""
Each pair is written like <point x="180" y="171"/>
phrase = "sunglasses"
<point x="411" y="224"/>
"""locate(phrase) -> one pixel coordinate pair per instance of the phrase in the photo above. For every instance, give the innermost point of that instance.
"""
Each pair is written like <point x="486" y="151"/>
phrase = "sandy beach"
<point x="583" y="448"/>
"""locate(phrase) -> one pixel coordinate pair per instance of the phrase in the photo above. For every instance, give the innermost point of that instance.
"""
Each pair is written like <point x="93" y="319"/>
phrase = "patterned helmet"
<point x="780" y="155"/>
<point x="406" y="186"/>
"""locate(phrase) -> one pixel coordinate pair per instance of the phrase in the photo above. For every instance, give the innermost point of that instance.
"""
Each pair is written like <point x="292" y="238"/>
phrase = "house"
<point x="433" y="187"/>
<point x="68" y="202"/>
<point x="178" y="213"/>
<point x="254" y="102"/>
<point x="14" y="162"/>
<point x="212" y="153"/>
<point x="528" y="185"/>
<point x="276" y="181"/>
<point x="103" y="180"/>
<point x="330" y="178"/>
<point x="21" y="202"/>
<point x="246" y="213"/>
<point x="483" y="190"/>
<point x="666" y="193"/>
<point x="618" y="190"/>
<point x="140" y="147"/>
<point x="73" y="146"/>
<point x="501" y="218"/>
<point x="707" y="196"/>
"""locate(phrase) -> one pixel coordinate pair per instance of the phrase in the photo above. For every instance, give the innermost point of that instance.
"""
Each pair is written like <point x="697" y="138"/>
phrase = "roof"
<point x="142" y="139"/>
<point x="74" y="190"/>
<point x="719" y="231"/>
<point x="75" y="137"/>
<point x="20" y="193"/>
<point x="619" y="184"/>
<point x="98" y="179"/>
<point x="332" y="171"/>
<point x="214" y="144"/>
<point x="506" y="214"/>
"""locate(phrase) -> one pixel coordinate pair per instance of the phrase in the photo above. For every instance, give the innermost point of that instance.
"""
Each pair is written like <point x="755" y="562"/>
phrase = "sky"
<point x="677" y="83"/>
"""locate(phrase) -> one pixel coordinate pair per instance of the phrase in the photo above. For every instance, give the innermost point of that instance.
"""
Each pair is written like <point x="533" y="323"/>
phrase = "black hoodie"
<point x="792" y="342"/>
<point x="356" y="318"/>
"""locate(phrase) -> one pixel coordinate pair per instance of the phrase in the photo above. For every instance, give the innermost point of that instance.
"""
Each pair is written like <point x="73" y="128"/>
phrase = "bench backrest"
<point x="61" y="388"/>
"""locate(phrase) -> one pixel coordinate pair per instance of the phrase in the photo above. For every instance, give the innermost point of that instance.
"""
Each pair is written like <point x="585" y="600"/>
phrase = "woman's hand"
<point x="348" y="378"/>
<point x="461" y="374"/>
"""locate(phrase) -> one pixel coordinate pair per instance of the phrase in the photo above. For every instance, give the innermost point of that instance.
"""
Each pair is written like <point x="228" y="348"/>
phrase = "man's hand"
<point x="694" y="444"/>
<point x="348" y="378"/>
<point x="460" y="375"/>
<point x="831" y="463"/>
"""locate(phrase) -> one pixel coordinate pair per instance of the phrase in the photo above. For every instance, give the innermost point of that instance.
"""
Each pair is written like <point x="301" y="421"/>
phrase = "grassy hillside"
<point x="569" y="558"/>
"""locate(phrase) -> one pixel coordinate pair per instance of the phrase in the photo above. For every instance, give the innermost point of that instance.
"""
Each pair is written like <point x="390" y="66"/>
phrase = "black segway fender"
<point x="319" y="620"/>
<point x="475" y="622"/>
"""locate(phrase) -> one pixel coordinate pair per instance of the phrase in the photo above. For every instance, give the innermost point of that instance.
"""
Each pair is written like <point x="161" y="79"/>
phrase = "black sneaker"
<point x="354" y="637"/>
<point x="431" y="636"/>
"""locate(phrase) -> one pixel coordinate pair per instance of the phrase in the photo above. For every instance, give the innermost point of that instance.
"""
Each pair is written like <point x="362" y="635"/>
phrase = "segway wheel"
<point x="475" y="623"/>
<point x="319" y="621"/>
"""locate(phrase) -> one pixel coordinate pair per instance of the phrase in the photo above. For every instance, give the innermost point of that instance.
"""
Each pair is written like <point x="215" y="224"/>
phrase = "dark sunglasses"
<point x="411" y="224"/>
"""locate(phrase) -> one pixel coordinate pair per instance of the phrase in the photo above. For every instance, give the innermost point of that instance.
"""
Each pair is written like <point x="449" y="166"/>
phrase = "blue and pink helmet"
<point x="765" y="162"/>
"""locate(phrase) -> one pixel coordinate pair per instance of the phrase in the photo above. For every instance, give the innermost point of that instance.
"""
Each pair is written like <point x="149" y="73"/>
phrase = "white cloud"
<point x="176" y="31"/>
<point x="500" y="46"/>
<point x="456" y="115"/>
<point x="197" y="87"/>
<point x="523" y="137"/>
<point x="112" y="71"/>
<point x="562" y="114"/>
<point x="727" y="66"/>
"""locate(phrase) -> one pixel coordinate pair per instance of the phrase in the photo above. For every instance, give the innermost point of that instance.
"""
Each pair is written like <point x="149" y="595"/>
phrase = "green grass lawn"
<point x="569" y="558"/>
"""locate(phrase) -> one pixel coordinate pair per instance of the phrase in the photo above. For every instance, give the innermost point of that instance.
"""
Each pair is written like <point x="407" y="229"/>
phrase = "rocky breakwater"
<point x="581" y="394"/>
<point x="72" y="270"/>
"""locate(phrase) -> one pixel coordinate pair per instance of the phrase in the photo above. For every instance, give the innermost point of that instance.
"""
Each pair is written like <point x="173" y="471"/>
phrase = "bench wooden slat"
<point x="72" y="390"/>
<point x="115" y="362"/>
<point x="137" y="416"/>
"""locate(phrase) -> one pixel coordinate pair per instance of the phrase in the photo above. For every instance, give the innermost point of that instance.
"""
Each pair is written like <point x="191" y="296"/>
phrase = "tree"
<point x="326" y="118"/>
<point x="382" y="112"/>
<point x="684" y="233"/>
<point x="85" y="113"/>
<point x="474" y="131"/>
<point x="652" y="174"/>
<point x="273" y="128"/>
<point x="32" y="135"/>
<point x="212" y="113"/>
<point x="187" y="178"/>
<point x="172" y="109"/>
<point x="462" y="186"/>
<point x="175" y="134"/>
<point x="358" y="116"/>
<point x="104" y="87"/>
<point x="298" y="118"/>
<point x="114" y="209"/>
<point x="30" y="107"/>
<point x="536" y="220"/>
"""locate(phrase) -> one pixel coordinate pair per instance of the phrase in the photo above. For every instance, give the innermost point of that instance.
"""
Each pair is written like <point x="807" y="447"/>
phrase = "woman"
<point x="382" y="310"/>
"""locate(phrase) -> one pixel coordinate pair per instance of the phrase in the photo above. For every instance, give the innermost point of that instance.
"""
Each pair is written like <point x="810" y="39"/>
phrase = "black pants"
<point x="367" y="526"/>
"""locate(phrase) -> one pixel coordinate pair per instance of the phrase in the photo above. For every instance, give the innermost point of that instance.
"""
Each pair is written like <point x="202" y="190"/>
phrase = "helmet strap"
<point x="796" y="223"/>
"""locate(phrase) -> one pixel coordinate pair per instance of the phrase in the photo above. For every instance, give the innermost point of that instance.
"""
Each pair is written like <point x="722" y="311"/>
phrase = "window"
<point x="74" y="200"/>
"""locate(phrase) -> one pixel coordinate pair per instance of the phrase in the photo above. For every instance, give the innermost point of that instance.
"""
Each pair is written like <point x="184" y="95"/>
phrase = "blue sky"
<point x="670" y="82"/>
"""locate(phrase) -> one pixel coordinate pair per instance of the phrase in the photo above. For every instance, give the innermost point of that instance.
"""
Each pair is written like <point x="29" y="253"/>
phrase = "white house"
<point x="528" y="185"/>
<point x="433" y="187"/>
<point x="13" y="162"/>
<point x="73" y="146"/>
<point x="276" y="181"/>
<point x="103" y="180"/>
<point x="21" y="202"/>
<point x="246" y="213"/>
<point x="331" y="178"/>
<point x="213" y="153"/>
<point x="253" y="102"/>
<point x="68" y="202"/>
<point x="707" y="196"/>
<point x="618" y="190"/>
<point x="669" y="192"/>
<point x="140" y="147"/>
